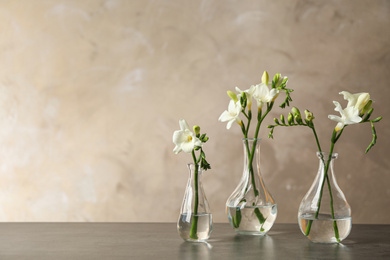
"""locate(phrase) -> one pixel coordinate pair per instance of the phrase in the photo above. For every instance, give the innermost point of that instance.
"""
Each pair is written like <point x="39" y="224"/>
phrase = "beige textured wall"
<point x="91" y="92"/>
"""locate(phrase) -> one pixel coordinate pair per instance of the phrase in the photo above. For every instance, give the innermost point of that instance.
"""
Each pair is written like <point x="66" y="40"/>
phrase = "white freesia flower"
<point x="184" y="139"/>
<point x="349" y="116"/>
<point x="358" y="100"/>
<point x="232" y="114"/>
<point x="262" y="94"/>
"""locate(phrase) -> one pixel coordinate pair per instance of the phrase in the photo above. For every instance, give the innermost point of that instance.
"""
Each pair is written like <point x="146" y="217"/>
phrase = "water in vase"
<point x="204" y="226"/>
<point x="323" y="228"/>
<point x="256" y="220"/>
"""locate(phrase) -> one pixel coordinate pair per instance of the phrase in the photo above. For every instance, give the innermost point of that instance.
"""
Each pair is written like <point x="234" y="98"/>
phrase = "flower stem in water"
<point x="326" y="177"/>
<point x="194" y="227"/>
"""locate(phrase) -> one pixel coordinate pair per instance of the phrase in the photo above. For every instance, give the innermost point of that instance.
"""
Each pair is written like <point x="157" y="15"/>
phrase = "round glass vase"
<point x="195" y="221"/>
<point x="324" y="214"/>
<point x="250" y="208"/>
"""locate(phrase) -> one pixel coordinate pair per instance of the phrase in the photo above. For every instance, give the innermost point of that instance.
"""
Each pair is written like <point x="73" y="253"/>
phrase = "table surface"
<point x="161" y="241"/>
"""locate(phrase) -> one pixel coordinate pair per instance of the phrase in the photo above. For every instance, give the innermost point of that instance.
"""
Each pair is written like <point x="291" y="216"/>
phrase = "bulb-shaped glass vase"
<point x="324" y="214"/>
<point x="195" y="221"/>
<point x="250" y="208"/>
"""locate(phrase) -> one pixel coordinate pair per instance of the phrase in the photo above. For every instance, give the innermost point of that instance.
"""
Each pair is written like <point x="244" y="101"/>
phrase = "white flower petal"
<point x="177" y="149"/>
<point x="225" y="116"/>
<point x="261" y="92"/>
<point x="362" y="100"/>
<point x="273" y="94"/>
<point x="229" y="124"/>
<point x="179" y="136"/>
<point x="187" y="147"/>
<point x="358" y="100"/>
<point x="183" y="124"/>
<point x="335" y="118"/>
<point x="338" y="107"/>
<point x="348" y="96"/>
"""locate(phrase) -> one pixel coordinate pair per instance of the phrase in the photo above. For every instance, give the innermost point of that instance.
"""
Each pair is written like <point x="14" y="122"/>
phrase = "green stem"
<point x="260" y="119"/>
<point x="194" y="227"/>
<point x="316" y="137"/>
<point x="251" y="153"/>
<point x="326" y="177"/>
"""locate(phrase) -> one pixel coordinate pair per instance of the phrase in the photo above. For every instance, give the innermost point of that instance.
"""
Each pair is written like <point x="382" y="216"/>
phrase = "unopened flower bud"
<point x="276" y="79"/>
<point x="366" y="107"/>
<point x="282" y="119"/>
<point x="290" y="119"/>
<point x="232" y="95"/>
<point x="309" y="115"/>
<point x="196" y="130"/>
<point x="298" y="119"/>
<point x="296" y="113"/>
<point x="265" y="78"/>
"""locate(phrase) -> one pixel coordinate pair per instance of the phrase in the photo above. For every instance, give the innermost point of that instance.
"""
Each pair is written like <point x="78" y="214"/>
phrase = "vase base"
<point x="251" y="233"/>
<point x="196" y="240"/>
<point x="325" y="229"/>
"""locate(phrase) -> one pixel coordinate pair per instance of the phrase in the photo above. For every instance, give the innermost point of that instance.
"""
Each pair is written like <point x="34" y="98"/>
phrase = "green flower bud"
<point x="276" y="121"/>
<point x="309" y="115"/>
<point x="366" y="107"/>
<point x="243" y="100"/>
<point x="295" y="111"/>
<point x="298" y="119"/>
<point x="290" y="119"/>
<point x="282" y="119"/>
<point x="297" y="114"/>
<point x="232" y="95"/>
<point x="196" y="130"/>
<point x="265" y="78"/>
<point x="275" y="81"/>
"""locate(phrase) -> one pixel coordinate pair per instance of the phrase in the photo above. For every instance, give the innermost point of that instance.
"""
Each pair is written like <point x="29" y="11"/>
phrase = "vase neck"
<point x="326" y="164"/>
<point x="195" y="173"/>
<point x="251" y="153"/>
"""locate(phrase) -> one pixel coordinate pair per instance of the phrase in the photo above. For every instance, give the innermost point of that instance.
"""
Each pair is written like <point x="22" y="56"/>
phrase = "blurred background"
<point x="91" y="92"/>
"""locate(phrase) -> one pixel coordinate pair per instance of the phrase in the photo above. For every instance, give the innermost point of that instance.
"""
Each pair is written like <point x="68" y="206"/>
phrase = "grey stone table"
<point x="161" y="241"/>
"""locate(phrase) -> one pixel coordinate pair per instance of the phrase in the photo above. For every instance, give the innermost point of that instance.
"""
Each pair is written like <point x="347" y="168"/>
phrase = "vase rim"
<point x="192" y="166"/>
<point x="251" y="139"/>
<point x="326" y="154"/>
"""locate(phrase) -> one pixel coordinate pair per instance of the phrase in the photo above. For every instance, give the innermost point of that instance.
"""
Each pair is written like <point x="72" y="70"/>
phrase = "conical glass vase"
<point x="250" y="208"/>
<point x="324" y="214"/>
<point x="195" y="221"/>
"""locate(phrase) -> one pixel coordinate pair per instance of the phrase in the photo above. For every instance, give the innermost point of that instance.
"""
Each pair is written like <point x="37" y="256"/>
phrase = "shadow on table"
<point x="328" y="251"/>
<point x="251" y="246"/>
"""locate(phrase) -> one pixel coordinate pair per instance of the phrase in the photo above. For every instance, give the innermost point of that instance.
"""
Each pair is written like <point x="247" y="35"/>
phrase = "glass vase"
<point x="250" y="208"/>
<point x="195" y="221"/>
<point x="324" y="214"/>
